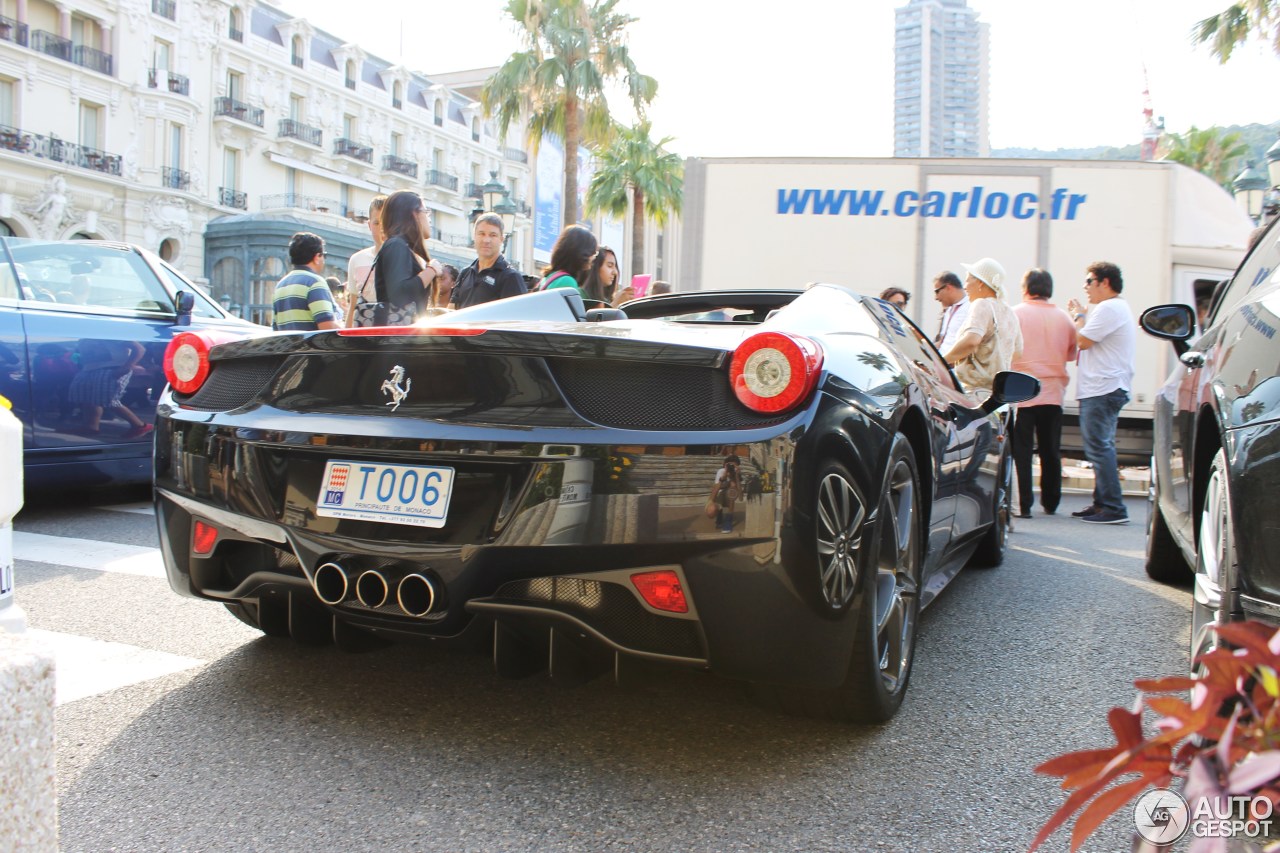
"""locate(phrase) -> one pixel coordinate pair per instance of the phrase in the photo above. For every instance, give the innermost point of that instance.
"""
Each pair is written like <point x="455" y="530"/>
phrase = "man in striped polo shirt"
<point x="302" y="301"/>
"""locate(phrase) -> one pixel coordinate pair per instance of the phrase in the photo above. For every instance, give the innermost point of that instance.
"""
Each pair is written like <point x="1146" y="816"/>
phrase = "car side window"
<point x="1258" y="268"/>
<point x="89" y="277"/>
<point x="915" y="344"/>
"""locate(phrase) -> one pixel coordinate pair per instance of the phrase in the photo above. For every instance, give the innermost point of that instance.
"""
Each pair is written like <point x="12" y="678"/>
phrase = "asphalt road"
<point x="181" y="729"/>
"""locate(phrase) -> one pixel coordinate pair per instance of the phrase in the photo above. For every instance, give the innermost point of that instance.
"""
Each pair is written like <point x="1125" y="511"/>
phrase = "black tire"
<point x="1214" y="598"/>
<point x="877" y="570"/>
<point x="990" y="551"/>
<point x="1165" y="561"/>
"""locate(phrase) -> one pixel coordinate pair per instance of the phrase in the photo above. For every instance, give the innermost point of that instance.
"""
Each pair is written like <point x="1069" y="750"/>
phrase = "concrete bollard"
<point x="29" y="818"/>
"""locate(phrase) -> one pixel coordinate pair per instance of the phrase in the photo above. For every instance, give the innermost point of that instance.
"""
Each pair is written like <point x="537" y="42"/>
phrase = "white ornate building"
<point x="211" y="130"/>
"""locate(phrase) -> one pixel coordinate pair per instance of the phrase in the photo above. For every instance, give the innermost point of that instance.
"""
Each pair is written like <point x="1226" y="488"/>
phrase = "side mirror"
<point x="601" y="315"/>
<point x="1169" y="322"/>
<point x="186" y="303"/>
<point x="1010" y="387"/>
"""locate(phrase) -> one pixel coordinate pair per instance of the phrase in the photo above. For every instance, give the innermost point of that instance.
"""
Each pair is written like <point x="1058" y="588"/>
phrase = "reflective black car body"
<point x="1216" y="467"/>
<point x="581" y="453"/>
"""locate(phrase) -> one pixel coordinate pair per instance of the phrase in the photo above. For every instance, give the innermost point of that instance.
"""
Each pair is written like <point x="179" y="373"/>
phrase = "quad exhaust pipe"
<point x="416" y="593"/>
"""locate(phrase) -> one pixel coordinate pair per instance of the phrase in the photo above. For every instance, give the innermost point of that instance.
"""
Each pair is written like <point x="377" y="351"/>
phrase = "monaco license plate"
<point x="394" y="494"/>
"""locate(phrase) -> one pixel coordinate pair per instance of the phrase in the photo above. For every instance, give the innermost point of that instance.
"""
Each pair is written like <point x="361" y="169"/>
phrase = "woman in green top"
<point x="570" y="258"/>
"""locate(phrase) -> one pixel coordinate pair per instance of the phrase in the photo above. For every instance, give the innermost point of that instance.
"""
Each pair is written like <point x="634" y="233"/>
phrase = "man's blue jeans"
<point x="1098" y="418"/>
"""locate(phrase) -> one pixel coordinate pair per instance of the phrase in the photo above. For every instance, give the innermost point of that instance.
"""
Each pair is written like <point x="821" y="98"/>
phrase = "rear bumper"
<point x="510" y="553"/>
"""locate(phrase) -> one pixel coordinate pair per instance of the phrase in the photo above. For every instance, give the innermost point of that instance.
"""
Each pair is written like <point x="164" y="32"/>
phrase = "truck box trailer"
<point x="869" y="224"/>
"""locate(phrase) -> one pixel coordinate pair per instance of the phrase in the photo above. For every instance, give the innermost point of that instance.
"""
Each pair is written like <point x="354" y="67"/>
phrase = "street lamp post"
<point x="1250" y="189"/>
<point x="507" y="211"/>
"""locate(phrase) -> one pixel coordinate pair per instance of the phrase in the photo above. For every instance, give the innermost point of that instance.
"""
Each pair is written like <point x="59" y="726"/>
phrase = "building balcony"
<point x="348" y="148"/>
<point x="51" y="44"/>
<point x="165" y="9"/>
<point x="516" y="155"/>
<point x="439" y="178"/>
<point x="394" y="163"/>
<point x="231" y="108"/>
<point x="397" y="104"/>
<point x="92" y="58"/>
<point x="175" y="83"/>
<point x="58" y="150"/>
<point x="522" y="207"/>
<point x="297" y="61"/>
<point x="474" y="190"/>
<point x="175" y="179"/>
<point x="450" y="238"/>
<point x="13" y="30"/>
<point x="228" y="197"/>
<point x="350" y="83"/>
<point x="235" y="35"/>
<point x="297" y="201"/>
<point x="292" y="129"/>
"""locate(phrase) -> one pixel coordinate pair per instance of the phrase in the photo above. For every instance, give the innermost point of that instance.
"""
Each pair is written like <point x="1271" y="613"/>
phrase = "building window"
<point x="297" y="51"/>
<point x="395" y="144"/>
<point x="475" y="130"/>
<point x="438" y="114"/>
<point x="295" y="107"/>
<point x="235" y="85"/>
<point x="230" y="168"/>
<point x="8" y="111"/>
<point x="235" y="26"/>
<point x="348" y="127"/>
<point x="397" y="94"/>
<point x="351" y="73"/>
<point x="90" y="125"/>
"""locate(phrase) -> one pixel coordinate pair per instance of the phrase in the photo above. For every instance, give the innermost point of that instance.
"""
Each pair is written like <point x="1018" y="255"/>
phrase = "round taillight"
<point x="186" y="362"/>
<point x="772" y="372"/>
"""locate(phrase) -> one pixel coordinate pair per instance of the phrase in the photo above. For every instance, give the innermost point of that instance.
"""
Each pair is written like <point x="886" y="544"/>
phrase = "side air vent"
<point x="647" y="395"/>
<point x="231" y="384"/>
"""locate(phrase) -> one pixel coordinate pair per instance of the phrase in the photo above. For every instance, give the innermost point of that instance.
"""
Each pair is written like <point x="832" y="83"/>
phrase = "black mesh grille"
<point x="231" y="384"/>
<point x="647" y="395"/>
<point x="611" y="610"/>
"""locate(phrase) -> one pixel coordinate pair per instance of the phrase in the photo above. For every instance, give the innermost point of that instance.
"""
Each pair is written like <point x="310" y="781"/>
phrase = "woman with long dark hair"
<point x="405" y="274"/>
<point x="570" y="258"/>
<point x="602" y="278"/>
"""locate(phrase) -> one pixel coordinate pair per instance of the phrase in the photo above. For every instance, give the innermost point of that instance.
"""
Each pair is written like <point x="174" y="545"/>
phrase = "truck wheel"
<point x="1165" y="561"/>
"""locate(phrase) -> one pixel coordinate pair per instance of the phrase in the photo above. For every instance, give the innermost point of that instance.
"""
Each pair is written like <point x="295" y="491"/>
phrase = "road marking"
<point x="88" y="554"/>
<point x="138" y="507"/>
<point x="86" y="667"/>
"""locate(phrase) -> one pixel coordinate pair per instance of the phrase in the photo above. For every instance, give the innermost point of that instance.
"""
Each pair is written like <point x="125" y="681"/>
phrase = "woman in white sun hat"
<point x="991" y="337"/>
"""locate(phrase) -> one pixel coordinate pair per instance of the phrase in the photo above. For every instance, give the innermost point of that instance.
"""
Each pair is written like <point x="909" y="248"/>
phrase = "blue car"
<point x="83" y="331"/>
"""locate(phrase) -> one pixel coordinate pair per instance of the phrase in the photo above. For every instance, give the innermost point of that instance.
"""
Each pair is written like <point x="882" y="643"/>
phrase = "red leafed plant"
<point x="1224" y="742"/>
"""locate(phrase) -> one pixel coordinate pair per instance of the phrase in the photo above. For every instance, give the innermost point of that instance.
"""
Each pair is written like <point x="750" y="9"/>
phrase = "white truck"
<point x="869" y="224"/>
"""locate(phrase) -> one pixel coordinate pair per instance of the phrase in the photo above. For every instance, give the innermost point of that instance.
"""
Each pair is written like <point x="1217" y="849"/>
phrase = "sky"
<point x="815" y="79"/>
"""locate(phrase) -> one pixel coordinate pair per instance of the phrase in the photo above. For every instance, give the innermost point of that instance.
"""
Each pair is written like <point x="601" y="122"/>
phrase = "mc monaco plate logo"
<point x="336" y="486"/>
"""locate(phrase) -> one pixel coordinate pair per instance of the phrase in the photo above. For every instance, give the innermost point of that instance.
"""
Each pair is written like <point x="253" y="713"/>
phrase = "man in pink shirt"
<point x="1048" y="343"/>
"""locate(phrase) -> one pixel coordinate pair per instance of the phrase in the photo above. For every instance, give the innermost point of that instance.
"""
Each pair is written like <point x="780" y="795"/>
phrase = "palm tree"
<point x="1211" y="152"/>
<point x="632" y="160"/>
<point x="575" y="50"/>
<point x="1234" y="25"/>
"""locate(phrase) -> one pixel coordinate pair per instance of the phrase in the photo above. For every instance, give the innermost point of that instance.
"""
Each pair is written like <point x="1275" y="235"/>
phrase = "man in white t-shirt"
<point x="949" y="290"/>
<point x="1106" y="334"/>
<point x="360" y="267"/>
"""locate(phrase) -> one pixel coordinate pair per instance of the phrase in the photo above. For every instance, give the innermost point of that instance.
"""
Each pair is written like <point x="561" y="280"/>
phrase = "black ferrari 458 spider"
<point x="768" y="485"/>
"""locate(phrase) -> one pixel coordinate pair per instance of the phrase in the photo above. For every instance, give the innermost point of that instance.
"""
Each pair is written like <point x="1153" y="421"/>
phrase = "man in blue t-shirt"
<point x="302" y="301"/>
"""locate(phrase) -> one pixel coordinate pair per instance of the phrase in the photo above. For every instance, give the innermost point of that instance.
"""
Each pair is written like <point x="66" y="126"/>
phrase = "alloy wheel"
<point x="840" y="516"/>
<point x="896" y="586"/>
<point x="1215" y="554"/>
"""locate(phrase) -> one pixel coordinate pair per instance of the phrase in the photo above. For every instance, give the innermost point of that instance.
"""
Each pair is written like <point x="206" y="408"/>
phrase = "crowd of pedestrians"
<point x="980" y="335"/>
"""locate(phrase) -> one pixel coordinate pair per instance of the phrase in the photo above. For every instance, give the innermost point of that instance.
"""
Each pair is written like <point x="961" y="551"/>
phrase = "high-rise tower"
<point x="941" y="80"/>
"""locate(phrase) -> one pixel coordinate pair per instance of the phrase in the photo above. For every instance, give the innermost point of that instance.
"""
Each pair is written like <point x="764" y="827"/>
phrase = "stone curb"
<point x="29" y="818"/>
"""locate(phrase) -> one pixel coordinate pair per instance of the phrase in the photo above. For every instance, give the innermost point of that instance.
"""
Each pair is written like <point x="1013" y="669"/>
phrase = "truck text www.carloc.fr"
<point x="974" y="203"/>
